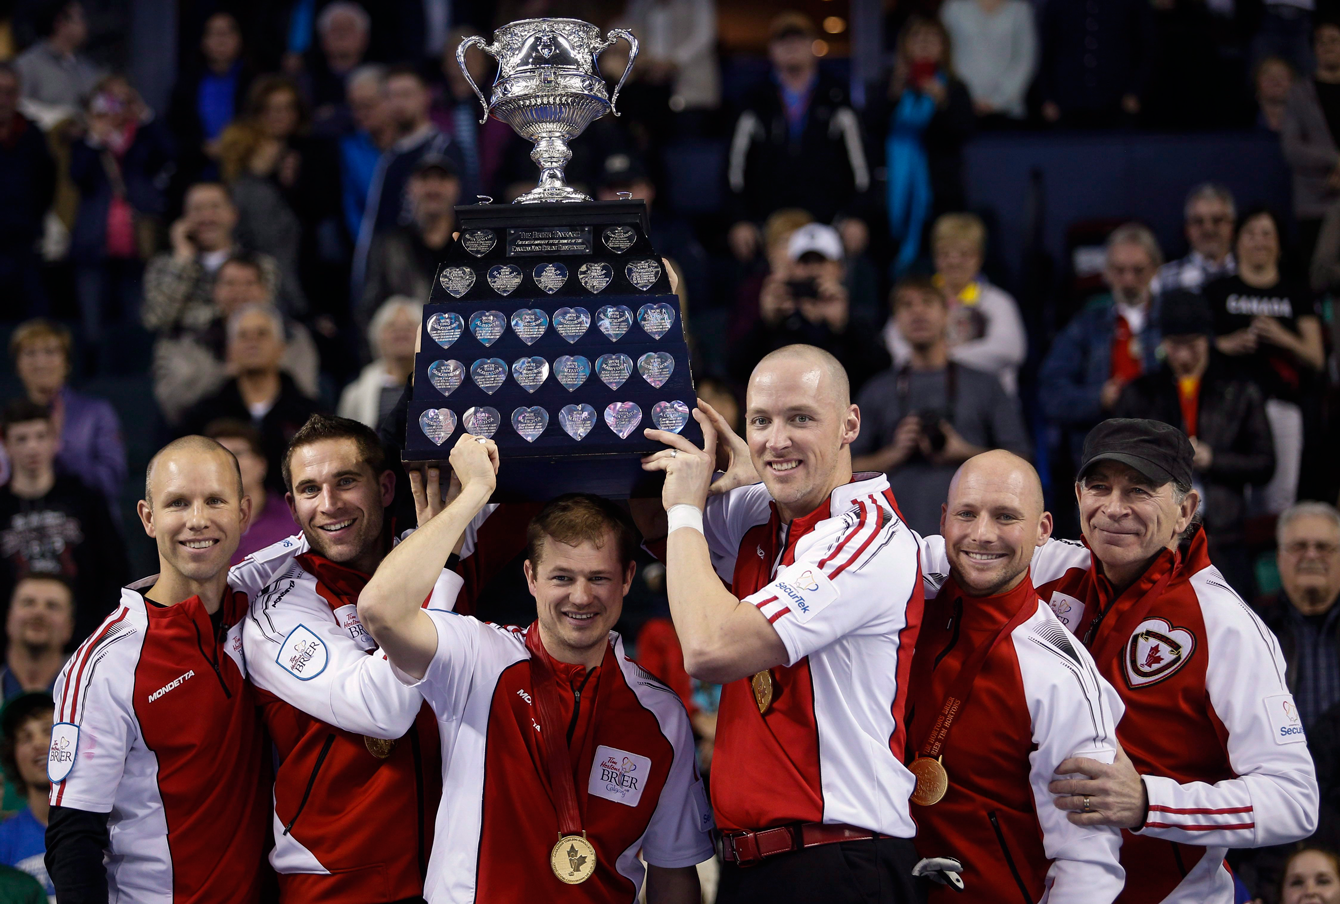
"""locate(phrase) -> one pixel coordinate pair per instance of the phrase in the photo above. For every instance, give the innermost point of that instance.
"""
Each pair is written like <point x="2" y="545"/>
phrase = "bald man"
<point x="156" y="729"/>
<point x="812" y="637"/>
<point x="1001" y="694"/>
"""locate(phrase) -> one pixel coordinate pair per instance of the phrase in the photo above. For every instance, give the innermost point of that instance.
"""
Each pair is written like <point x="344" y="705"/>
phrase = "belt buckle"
<point x="731" y="849"/>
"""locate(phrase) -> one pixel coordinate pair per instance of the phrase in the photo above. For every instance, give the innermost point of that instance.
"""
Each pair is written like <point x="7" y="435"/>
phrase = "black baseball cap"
<point x="1157" y="450"/>
<point x="1183" y="313"/>
<point x="437" y="162"/>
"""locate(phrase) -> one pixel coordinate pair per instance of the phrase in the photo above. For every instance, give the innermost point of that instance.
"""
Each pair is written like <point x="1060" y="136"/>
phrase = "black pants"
<point x="875" y="871"/>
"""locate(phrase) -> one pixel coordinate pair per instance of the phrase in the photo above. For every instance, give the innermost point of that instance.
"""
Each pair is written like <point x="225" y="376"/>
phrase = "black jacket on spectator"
<point x="1231" y="419"/>
<point x="27" y="183"/>
<point x="858" y="347"/>
<point x="1273" y="611"/>
<point x="144" y="169"/>
<point x="69" y="532"/>
<point x="825" y="172"/>
<point x="1093" y="53"/>
<point x="289" y="412"/>
<point x="946" y="133"/>
<point x="183" y="121"/>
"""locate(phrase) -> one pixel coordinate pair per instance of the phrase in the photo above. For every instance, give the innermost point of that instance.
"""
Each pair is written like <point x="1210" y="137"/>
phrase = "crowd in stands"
<point x="261" y="249"/>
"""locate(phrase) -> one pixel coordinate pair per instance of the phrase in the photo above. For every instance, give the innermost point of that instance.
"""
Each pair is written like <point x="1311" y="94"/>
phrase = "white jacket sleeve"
<point x="1074" y="712"/>
<point x="1274" y="799"/>
<point x="726" y="520"/>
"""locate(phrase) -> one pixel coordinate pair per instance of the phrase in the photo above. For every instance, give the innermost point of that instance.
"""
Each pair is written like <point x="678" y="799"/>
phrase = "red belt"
<point x="749" y="848"/>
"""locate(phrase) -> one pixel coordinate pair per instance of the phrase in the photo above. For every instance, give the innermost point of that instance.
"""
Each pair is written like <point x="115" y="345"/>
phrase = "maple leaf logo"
<point x="1153" y="657"/>
<point x="576" y="860"/>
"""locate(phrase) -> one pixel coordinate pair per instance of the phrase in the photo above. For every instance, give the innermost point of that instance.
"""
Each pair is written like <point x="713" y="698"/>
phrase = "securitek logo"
<point x="1293" y="726"/>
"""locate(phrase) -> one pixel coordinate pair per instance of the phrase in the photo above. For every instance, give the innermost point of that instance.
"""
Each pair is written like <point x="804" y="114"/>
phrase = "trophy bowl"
<point x="549" y="90"/>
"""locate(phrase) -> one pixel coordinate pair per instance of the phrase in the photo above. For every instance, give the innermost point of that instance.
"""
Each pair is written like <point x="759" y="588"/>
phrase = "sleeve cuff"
<point x="1159" y="790"/>
<point x="445" y="591"/>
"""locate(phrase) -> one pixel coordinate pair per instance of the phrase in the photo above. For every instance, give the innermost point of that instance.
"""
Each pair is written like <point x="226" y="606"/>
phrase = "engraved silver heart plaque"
<point x="656" y="319"/>
<point x="446" y="376"/>
<point x="656" y="367"/>
<point x="437" y="424"/>
<point x="571" y="370"/>
<point x="530" y="422"/>
<point x="670" y="416"/>
<point x="595" y="276"/>
<point x="613" y="370"/>
<point x="489" y="373"/>
<point x="577" y="420"/>
<point x="643" y="273"/>
<point x="572" y="323"/>
<point x="550" y="277"/>
<point x="614" y="321"/>
<point x="457" y="280"/>
<point x="478" y="242"/>
<point x="623" y="418"/>
<point x="445" y="328"/>
<point x="619" y="238"/>
<point x="530" y="372"/>
<point x="482" y="421"/>
<point x="487" y="326"/>
<point x="504" y="278"/>
<point x="529" y="324"/>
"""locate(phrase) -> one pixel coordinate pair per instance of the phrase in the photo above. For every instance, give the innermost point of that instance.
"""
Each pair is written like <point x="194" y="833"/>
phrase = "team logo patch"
<point x="303" y="655"/>
<point x="618" y="775"/>
<point x="1155" y="651"/>
<point x="805" y="589"/>
<point x="1067" y="608"/>
<point x="64" y="745"/>
<point x="1285" y="723"/>
<point x="347" y="617"/>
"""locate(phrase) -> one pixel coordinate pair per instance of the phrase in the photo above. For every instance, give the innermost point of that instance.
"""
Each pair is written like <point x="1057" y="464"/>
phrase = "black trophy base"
<point x="541" y="479"/>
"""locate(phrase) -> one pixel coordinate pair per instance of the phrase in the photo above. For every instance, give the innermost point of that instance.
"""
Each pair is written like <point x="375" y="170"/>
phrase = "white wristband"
<point x="684" y="515"/>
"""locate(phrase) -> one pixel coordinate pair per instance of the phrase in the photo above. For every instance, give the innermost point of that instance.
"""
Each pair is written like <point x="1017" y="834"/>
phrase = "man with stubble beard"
<point x="358" y="759"/>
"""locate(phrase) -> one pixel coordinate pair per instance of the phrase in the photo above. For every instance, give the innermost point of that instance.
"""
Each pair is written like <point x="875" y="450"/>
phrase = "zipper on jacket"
<point x="1177" y="856"/>
<point x="1009" y="860"/>
<point x="320" y="758"/>
<point x="213" y="663"/>
<point x="577" y="704"/>
<point x="956" y="622"/>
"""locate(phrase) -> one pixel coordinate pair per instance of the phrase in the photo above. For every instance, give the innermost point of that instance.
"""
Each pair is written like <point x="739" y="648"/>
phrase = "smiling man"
<point x="357" y="752"/>
<point x="1000" y="695"/>
<point x="563" y="760"/>
<point x="155" y="758"/>
<point x="812" y="637"/>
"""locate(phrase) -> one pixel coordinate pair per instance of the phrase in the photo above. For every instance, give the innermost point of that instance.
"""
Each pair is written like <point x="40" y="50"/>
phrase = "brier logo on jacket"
<point x="618" y="775"/>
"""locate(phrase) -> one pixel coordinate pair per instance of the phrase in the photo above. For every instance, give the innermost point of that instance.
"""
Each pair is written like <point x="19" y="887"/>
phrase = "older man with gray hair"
<point x="1209" y="216"/>
<point x="260" y="392"/>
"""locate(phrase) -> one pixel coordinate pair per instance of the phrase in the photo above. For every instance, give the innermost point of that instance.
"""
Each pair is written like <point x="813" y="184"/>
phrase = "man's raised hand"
<point x="688" y="469"/>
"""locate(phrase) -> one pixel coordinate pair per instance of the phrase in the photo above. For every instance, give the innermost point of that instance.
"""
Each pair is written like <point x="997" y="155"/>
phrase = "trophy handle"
<point x="614" y="35"/>
<point x="491" y="50"/>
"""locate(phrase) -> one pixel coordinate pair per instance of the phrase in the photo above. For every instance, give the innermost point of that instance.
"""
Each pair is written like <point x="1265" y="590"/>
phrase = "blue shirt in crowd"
<point x="23" y="846"/>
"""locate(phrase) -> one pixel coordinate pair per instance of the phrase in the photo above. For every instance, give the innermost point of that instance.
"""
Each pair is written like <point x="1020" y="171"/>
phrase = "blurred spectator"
<point x="1097" y="59"/>
<point x="996" y="53"/>
<point x="90" y="444"/>
<point x="456" y="112"/>
<point x="1209" y="214"/>
<point x="39" y="625"/>
<point x="259" y="393"/>
<point x="1273" y="78"/>
<point x="1303" y="614"/>
<point x="342" y="30"/>
<point x="920" y="125"/>
<point x="388" y="203"/>
<point x="1324" y="271"/>
<point x="1285" y="31"/>
<point x="1311" y="124"/>
<point x="392" y="334"/>
<point x="27" y="185"/>
<point x="56" y="77"/>
<point x="373" y="132"/>
<point x="719" y="395"/>
<point x="679" y="49"/>
<point x="1270" y="327"/>
<point x="797" y="142"/>
<point x="1225" y="418"/>
<point x="1311" y="876"/>
<point x="21" y="888"/>
<point x="1113" y="340"/>
<point x="190" y="363"/>
<point x="25" y="744"/>
<point x="121" y="168"/>
<point x="659" y="652"/>
<point x="404" y="259"/>
<point x="807" y="302"/>
<point x="921" y="420"/>
<point x="208" y="96"/>
<point x="55" y="523"/>
<point x="777" y="232"/>
<point x="985" y="329"/>
<point x="271" y="520"/>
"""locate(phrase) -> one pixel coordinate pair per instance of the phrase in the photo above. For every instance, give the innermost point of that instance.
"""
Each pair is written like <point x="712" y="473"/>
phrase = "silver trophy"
<point x="549" y="90"/>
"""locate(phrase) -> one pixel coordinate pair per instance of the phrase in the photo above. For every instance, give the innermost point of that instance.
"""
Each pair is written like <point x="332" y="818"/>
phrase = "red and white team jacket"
<point x="352" y="821"/>
<point x="1209" y="720"/>
<point x="1037" y="701"/>
<point x="156" y="726"/>
<point x="497" y="821"/>
<point x="842" y="588"/>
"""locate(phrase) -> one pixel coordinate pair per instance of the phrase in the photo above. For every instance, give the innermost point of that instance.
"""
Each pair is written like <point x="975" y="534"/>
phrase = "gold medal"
<point x="762" y="683"/>
<point x="573" y="859"/>
<point x="932" y="781"/>
<point x="379" y="747"/>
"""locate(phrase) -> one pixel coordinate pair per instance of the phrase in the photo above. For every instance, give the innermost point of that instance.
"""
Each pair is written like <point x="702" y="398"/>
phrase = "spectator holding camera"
<point x="806" y="302"/>
<point x="922" y="419"/>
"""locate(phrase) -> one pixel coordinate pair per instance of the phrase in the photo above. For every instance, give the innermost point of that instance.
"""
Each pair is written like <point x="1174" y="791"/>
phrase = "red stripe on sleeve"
<point x="772" y="619"/>
<point x="1199" y="828"/>
<point x="879" y="524"/>
<point x="1198" y="810"/>
<point x="761" y="603"/>
<point x="851" y="533"/>
<point x="74" y="703"/>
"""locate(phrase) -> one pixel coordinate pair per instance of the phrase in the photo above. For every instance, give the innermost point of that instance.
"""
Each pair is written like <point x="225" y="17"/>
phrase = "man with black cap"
<point x="1224" y="417"/>
<point x="1214" y="755"/>
<point x="404" y="259"/>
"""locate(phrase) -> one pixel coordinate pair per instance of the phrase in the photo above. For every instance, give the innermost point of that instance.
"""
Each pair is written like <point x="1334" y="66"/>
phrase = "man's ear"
<point x="387" y="484"/>
<point x="1187" y="510"/>
<point x="1045" y="527"/>
<point x="146" y="513"/>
